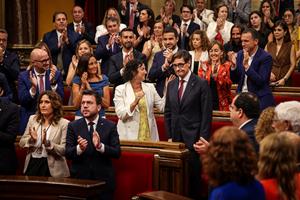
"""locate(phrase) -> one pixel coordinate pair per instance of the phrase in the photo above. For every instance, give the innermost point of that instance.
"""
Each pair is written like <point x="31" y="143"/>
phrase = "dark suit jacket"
<point x="191" y="28"/>
<point x="10" y="67"/>
<point x="9" y="127"/>
<point x="249" y="128"/>
<point x="258" y="76"/>
<point x="156" y="75"/>
<point x="28" y="103"/>
<point x="5" y="87"/>
<point x="68" y="50"/>
<point x="125" y="18"/>
<point x="190" y="118"/>
<point x="92" y="164"/>
<point x="241" y="15"/>
<point x="103" y="53"/>
<point x="89" y="33"/>
<point x="115" y="64"/>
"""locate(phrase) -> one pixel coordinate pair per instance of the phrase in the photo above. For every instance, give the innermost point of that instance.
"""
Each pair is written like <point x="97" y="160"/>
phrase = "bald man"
<point x="34" y="81"/>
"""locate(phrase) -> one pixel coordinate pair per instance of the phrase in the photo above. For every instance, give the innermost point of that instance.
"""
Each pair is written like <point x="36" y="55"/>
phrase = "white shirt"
<point x="186" y="79"/>
<point x="77" y="25"/>
<point x="245" y="86"/>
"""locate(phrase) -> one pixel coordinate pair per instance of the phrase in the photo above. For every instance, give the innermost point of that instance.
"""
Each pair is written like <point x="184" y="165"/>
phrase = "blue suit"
<point x="258" y="76"/>
<point x="103" y="53"/>
<point x="89" y="33"/>
<point x="249" y="128"/>
<point x="29" y="103"/>
<point x="156" y="74"/>
<point x="191" y="28"/>
<point x="68" y="50"/>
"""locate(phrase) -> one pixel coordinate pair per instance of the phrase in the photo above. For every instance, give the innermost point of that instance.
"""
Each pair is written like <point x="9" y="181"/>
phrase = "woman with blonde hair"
<point x="277" y="167"/>
<point x="264" y="124"/>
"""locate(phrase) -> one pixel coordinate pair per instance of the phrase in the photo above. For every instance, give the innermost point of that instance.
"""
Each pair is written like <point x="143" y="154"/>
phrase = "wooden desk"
<point x="33" y="187"/>
<point x="161" y="195"/>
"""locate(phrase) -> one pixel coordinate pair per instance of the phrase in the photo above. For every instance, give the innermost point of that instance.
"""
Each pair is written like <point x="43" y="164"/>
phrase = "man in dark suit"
<point x="186" y="27"/>
<point x="238" y="11"/>
<point x="91" y="143"/>
<point x="244" y="112"/>
<point x="118" y="62"/>
<point x="188" y="113"/>
<point x="9" y="126"/>
<point x="9" y="64"/>
<point x="161" y="67"/>
<point x="84" y="28"/>
<point x="251" y="69"/>
<point x="109" y="44"/>
<point x="130" y="13"/>
<point x="61" y="42"/>
<point x="33" y="82"/>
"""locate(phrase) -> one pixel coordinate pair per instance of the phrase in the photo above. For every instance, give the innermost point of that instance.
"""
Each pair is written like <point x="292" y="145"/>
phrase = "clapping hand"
<point x="82" y="143"/>
<point x="246" y="59"/>
<point x="96" y="140"/>
<point x="33" y="133"/>
<point x="201" y="146"/>
<point x="33" y="80"/>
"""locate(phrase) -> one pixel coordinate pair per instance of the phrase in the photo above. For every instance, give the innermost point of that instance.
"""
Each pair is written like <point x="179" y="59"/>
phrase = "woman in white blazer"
<point x="134" y="102"/>
<point x="220" y="28"/>
<point x="45" y="139"/>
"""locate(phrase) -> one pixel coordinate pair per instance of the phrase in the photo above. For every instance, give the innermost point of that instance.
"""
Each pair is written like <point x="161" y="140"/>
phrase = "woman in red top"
<point x="217" y="72"/>
<point x="277" y="166"/>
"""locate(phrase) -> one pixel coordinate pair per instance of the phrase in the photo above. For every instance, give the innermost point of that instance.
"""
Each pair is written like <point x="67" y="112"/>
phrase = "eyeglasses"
<point x="179" y="65"/>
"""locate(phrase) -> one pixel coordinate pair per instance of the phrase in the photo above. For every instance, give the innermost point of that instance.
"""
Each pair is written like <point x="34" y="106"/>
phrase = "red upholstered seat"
<point x="67" y="94"/>
<point x="21" y="156"/>
<point x="281" y="98"/>
<point x="295" y="79"/>
<point x="134" y="174"/>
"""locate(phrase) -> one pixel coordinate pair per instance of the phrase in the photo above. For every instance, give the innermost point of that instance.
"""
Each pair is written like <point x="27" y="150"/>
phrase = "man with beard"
<point x="9" y="64"/>
<point x="109" y="44"/>
<point x="161" y="67"/>
<point x="235" y="43"/>
<point x="91" y="143"/>
<point x="118" y="62"/>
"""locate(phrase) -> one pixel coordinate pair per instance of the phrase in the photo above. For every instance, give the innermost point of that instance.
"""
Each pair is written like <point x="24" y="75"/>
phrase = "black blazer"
<point x="249" y="128"/>
<point x="125" y="18"/>
<point x="92" y="164"/>
<point x="9" y="127"/>
<point x="190" y="118"/>
<point x="89" y="33"/>
<point x="115" y="64"/>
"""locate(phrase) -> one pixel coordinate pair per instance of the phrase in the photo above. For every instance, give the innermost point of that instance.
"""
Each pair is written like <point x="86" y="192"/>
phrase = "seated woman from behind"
<point x="230" y="164"/>
<point x="45" y="138"/>
<point x="134" y="103"/>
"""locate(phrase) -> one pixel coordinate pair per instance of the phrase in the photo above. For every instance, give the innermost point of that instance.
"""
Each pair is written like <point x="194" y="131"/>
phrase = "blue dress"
<point x="98" y="87"/>
<point x="234" y="191"/>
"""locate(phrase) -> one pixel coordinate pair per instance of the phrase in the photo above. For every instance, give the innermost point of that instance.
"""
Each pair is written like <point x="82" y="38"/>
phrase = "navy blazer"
<point x="92" y="164"/>
<point x="89" y="33"/>
<point x="258" y="76"/>
<point x="10" y="67"/>
<point x="103" y="53"/>
<point x="156" y="75"/>
<point x="249" y="128"/>
<point x="115" y="64"/>
<point x="190" y="118"/>
<point x="29" y="103"/>
<point x="192" y="27"/>
<point x="9" y="127"/>
<point x="68" y="50"/>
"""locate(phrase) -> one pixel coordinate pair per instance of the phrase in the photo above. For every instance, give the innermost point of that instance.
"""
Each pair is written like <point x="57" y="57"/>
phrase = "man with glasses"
<point x="244" y="112"/>
<point x="9" y="64"/>
<point x="34" y="81"/>
<point x="188" y="113"/>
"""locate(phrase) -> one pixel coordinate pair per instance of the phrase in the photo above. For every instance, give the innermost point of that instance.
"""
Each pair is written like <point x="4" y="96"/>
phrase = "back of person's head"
<point x="131" y="69"/>
<point x="278" y="160"/>
<point x="230" y="157"/>
<point x="169" y="29"/>
<point x="249" y="103"/>
<point x="264" y="124"/>
<point x="289" y="112"/>
<point x="184" y="54"/>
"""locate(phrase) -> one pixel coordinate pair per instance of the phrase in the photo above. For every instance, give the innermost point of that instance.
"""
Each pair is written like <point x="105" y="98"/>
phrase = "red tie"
<point x="41" y="76"/>
<point x="180" y="90"/>
<point x="131" y="20"/>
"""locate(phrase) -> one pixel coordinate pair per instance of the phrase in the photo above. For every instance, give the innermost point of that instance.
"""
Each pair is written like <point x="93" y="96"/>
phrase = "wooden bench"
<point x="33" y="187"/>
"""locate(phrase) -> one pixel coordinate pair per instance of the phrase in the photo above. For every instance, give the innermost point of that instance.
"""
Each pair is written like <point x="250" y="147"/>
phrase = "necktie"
<point x="42" y="88"/>
<point x="91" y="131"/>
<point x="131" y="19"/>
<point x="180" y="90"/>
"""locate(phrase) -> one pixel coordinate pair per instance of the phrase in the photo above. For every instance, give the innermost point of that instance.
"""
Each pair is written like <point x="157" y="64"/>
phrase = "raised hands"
<point x="1" y="54"/>
<point x="33" y="134"/>
<point x="201" y="146"/>
<point x="64" y="37"/>
<point x="82" y="143"/>
<point x="52" y="74"/>
<point x="246" y="59"/>
<point x="33" y="80"/>
<point x="96" y="140"/>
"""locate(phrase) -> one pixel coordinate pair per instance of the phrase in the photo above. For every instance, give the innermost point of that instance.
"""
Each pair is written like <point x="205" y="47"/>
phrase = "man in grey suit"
<point x="238" y="11"/>
<point x="188" y="113"/>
